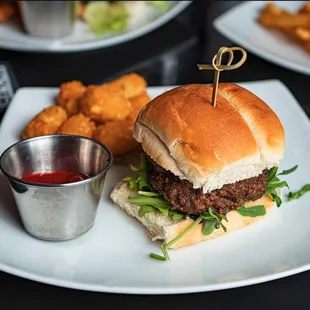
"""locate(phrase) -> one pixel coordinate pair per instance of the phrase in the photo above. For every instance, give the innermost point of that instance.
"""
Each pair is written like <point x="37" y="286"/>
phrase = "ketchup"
<point x="55" y="177"/>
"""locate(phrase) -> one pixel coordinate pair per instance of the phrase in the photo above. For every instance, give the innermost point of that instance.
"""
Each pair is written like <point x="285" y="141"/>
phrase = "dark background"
<point x="166" y="56"/>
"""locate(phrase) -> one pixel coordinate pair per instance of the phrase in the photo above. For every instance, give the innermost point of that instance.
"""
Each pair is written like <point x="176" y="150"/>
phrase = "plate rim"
<point x="152" y="290"/>
<point x="219" y="24"/>
<point x="155" y="290"/>
<point x="105" y="42"/>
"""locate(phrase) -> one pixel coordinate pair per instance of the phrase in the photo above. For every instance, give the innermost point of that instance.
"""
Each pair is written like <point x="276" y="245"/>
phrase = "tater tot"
<point x="69" y="96"/>
<point x="102" y="104"/>
<point x="78" y="124"/>
<point x="132" y="85"/>
<point x="137" y="104"/>
<point x="117" y="136"/>
<point x="7" y="11"/>
<point x="45" y="123"/>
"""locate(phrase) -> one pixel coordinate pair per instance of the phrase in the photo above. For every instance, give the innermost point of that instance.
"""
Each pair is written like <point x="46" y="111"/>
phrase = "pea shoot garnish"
<point x="150" y="201"/>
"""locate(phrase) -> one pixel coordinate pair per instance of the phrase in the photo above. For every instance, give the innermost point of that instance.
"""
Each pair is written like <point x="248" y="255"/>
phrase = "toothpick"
<point x="218" y="67"/>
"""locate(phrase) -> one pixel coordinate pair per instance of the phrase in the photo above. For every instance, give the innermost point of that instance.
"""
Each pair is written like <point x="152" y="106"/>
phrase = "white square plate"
<point x="113" y="255"/>
<point x="239" y="25"/>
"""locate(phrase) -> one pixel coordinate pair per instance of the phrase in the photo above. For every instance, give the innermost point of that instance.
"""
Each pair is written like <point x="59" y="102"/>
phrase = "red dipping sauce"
<point x="55" y="177"/>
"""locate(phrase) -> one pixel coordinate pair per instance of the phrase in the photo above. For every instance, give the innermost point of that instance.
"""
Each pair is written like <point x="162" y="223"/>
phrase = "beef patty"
<point x="182" y="196"/>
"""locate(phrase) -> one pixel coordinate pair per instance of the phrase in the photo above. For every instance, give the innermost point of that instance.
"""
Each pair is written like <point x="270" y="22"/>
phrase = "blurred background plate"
<point x="13" y="37"/>
<point x="240" y="25"/>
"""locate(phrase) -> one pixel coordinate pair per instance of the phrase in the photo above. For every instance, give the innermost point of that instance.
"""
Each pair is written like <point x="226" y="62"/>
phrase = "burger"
<point x="205" y="170"/>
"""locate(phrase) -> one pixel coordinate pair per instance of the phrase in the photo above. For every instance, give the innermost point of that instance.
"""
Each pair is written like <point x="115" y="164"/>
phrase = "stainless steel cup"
<point x="48" y="19"/>
<point x="57" y="211"/>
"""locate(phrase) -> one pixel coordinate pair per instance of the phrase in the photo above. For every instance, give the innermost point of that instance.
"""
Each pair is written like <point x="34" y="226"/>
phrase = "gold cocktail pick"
<point x="218" y="67"/>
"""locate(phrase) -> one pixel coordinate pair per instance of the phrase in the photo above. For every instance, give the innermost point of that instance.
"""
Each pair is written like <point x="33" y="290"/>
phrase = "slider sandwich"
<point x="205" y="171"/>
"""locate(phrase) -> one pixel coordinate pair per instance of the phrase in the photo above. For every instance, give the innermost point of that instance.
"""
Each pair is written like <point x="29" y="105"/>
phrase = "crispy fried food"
<point x="137" y="104"/>
<point x="46" y="122"/>
<point x="69" y="96"/>
<point x="78" y="124"/>
<point x="117" y="136"/>
<point x="103" y="104"/>
<point x="273" y="16"/>
<point x="303" y="34"/>
<point x="294" y="26"/>
<point x="7" y="11"/>
<point x="285" y="21"/>
<point x="298" y="36"/>
<point x="305" y="8"/>
<point x="271" y="8"/>
<point x="131" y="84"/>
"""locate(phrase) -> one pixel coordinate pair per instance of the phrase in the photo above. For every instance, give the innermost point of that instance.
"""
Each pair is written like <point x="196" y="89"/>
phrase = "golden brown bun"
<point x="161" y="227"/>
<point x="211" y="146"/>
<point x="263" y="122"/>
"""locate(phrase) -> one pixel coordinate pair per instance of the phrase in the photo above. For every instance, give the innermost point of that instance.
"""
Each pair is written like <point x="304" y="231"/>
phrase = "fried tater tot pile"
<point x="138" y="103"/>
<point x="69" y="95"/>
<point x="105" y="113"/>
<point x="131" y="84"/>
<point x="46" y="122"/>
<point x="117" y="136"/>
<point x="102" y="104"/>
<point x="78" y="124"/>
<point x="294" y="26"/>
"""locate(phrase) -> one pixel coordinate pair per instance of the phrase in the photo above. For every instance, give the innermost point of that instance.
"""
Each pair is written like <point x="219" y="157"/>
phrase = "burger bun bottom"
<point x="161" y="227"/>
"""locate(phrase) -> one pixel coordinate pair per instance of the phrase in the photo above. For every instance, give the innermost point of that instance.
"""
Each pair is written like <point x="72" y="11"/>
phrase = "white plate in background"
<point x="12" y="37"/>
<point x="113" y="255"/>
<point x="240" y="26"/>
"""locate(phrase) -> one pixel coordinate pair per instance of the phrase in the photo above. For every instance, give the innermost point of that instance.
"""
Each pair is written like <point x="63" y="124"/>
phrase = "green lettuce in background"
<point x="104" y="17"/>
